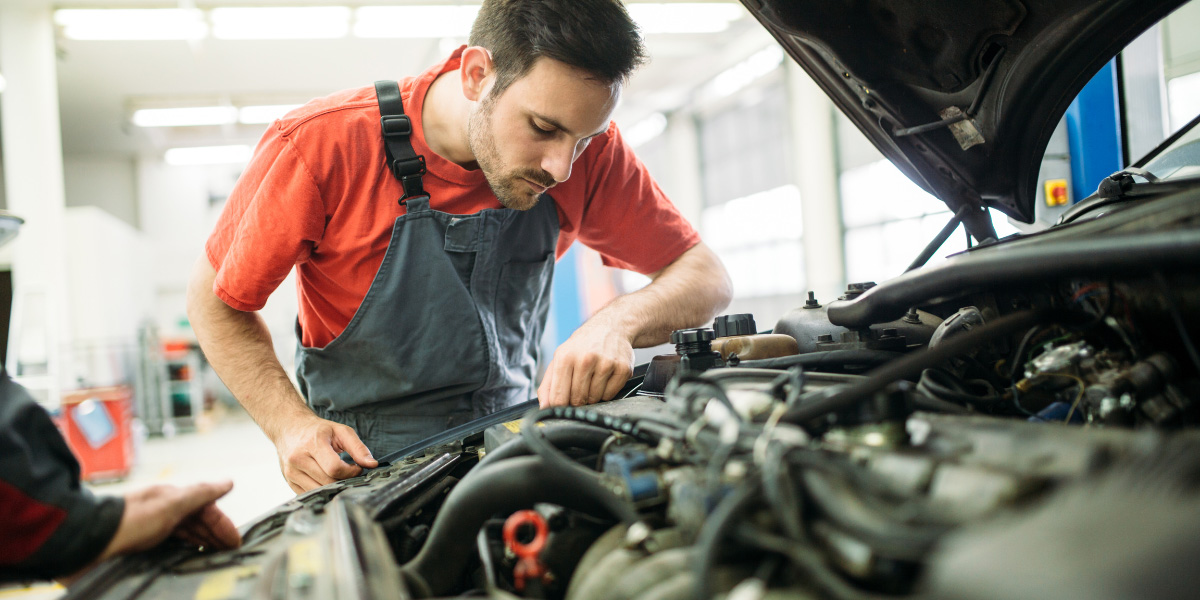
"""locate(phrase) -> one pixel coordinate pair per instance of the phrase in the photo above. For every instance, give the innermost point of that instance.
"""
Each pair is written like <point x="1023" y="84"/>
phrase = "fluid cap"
<point x="739" y="324"/>
<point x="691" y="336"/>
<point x="855" y="290"/>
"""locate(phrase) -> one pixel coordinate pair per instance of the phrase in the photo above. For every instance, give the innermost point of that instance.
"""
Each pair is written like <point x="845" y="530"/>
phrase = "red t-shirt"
<point x="318" y="195"/>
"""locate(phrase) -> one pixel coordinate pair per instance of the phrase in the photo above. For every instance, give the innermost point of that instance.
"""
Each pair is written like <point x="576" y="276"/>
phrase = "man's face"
<point x="526" y="139"/>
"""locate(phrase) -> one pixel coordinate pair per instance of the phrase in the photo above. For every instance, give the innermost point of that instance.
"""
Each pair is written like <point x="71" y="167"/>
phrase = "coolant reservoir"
<point x="738" y="334"/>
<point x="757" y="346"/>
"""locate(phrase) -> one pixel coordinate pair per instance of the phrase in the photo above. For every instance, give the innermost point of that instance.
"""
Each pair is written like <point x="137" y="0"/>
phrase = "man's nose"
<point x="558" y="159"/>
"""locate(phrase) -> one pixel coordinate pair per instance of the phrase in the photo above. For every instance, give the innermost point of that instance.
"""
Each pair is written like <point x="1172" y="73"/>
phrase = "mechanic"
<point x="54" y="529"/>
<point x="423" y="283"/>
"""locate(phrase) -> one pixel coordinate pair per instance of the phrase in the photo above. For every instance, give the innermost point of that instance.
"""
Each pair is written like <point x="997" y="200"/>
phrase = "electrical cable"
<point x="561" y="435"/>
<point x="911" y="365"/>
<point x="807" y="560"/>
<point x="820" y="361"/>
<point x="684" y="380"/>
<point x="1078" y="395"/>
<point x="716" y="527"/>
<point x="1178" y="319"/>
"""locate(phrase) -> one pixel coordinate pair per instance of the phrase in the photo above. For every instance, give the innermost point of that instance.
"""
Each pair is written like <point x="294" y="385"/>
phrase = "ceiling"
<point x="100" y="80"/>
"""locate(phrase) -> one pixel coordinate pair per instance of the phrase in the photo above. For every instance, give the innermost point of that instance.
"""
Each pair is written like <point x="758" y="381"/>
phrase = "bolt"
<point x="812" y="301"/>
<point x="912" y="316"/>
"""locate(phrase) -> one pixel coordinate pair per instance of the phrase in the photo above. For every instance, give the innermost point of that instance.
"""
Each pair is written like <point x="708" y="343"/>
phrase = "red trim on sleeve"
<point x="27" y="524"/>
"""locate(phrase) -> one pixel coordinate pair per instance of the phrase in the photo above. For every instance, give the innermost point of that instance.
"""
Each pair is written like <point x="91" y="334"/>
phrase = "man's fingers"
<point x="346" y="440"/>
<point x="332" y="466"/>
<point x="615" y="382"/>
<point x="301" y="482"/>
<point x="193" y="497"/>
<point x="561" y="389"/>
<point x="217" y="528"/>
<point x="306" y="473"/>
<point x="581" y="380"/>
<point x="544" y="389"/>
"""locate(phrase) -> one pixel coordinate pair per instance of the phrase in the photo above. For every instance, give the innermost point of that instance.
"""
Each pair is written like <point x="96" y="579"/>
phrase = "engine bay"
<point x="1027" y="433"/>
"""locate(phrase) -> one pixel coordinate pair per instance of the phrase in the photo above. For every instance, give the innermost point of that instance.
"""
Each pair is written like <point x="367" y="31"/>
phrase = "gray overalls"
<point x="449" y="329"/>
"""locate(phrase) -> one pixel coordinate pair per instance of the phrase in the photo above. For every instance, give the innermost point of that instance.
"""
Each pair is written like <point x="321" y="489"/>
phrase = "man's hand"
<point x="589" y="367"/>
<point x="189" y="513"/>
<point x="308" y="450"/>
<point x="597" y="359"/>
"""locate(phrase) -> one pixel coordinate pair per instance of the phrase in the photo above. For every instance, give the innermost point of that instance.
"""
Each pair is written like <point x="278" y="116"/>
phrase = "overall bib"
<point x="448" y="331"/>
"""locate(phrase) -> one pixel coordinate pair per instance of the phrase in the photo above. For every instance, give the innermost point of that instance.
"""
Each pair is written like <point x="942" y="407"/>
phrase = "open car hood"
<point x="896" y="65"/>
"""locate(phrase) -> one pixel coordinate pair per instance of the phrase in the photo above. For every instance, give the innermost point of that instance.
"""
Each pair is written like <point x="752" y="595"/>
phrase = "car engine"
<point x="1018" y="421"/>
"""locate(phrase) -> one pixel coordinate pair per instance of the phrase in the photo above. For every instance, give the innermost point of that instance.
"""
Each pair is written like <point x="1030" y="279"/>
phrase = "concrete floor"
<point x="227" y="445"/>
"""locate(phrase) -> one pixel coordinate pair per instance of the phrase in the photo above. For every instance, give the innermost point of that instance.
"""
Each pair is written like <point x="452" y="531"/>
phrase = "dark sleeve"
<point x="50" y="526"/>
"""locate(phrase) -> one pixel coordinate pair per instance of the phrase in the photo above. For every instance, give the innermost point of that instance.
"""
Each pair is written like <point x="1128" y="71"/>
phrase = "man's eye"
<point x="541" y="130"/>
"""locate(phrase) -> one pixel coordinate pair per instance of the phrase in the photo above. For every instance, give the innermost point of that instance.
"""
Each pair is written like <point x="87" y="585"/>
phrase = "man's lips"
<point x="537" y="187"/>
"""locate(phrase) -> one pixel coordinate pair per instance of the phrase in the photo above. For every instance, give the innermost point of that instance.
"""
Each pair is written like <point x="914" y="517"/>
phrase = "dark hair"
<point x="594" y="35"/>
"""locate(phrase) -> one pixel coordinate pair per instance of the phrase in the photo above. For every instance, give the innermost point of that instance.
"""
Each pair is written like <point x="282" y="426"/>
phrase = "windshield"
<point x="1181" y="158"/>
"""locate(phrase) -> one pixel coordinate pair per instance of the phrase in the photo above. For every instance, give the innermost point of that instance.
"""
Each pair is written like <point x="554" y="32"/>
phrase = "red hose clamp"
<point x="528" y="565"/>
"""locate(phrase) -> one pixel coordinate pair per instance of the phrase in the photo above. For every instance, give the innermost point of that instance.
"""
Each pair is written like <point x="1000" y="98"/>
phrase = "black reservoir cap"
<point x="731" y="325"/>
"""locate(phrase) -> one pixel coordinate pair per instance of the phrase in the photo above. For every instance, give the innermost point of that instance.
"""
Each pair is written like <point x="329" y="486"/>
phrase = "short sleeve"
<point x="273" y="219"/>
<point x="627" y="218"/>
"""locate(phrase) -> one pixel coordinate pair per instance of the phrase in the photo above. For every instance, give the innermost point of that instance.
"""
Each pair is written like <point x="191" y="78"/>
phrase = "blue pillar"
<point x="1094" y="133"/>
<point x="566" y="302"/>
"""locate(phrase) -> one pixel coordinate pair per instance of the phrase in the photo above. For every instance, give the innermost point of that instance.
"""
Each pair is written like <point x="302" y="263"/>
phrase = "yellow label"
<point x="220" y="585"/>
<point x="514" y="426"/>
<point x="304" y="557"/>
<point x="1056" y="192"/>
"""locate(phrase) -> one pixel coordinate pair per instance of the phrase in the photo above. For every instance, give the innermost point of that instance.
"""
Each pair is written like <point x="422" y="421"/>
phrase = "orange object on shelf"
<point x="170" y="346"/>
<point x="96" y="423"/>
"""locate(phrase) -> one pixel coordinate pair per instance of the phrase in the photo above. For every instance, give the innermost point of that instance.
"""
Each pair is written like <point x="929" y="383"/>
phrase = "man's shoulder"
<point x="330" y="114"/>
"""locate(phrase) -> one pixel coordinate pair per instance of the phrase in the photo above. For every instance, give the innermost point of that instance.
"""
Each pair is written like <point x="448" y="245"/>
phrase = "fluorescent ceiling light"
<point x="744" y="73"/>
<point x="132" y="24"/>
<point x="185" y="117"/>
<point x="286" y="23"/>
<point x="645" y="130"/>
<point x="257" y="115"/>
<point x="685" y="17"/>
<point x="208" y="155"/>
<point x="414" y="21"/>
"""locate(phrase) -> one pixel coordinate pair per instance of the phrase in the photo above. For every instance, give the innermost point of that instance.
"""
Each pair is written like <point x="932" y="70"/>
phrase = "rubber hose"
<point x="561" y="435"/>
<point x="826" y="359"/>
<point x="913" y="364"/>
<point x="846" y="509"/>
<point x="681" y="586"/>
<point x="504" y="487"/>
<point x="649" y="572"/>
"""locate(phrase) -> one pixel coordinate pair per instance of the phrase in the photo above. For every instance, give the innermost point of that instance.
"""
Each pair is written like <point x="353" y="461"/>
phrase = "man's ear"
<point x="477" y="73"/>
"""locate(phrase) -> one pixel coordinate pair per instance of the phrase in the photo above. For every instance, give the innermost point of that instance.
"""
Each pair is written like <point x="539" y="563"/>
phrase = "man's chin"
<point x="519" y="202"/>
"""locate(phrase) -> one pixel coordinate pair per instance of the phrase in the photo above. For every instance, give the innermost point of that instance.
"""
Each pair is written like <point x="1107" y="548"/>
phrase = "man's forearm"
<point x="687" y="293"/>
<point x="238" y="345"/>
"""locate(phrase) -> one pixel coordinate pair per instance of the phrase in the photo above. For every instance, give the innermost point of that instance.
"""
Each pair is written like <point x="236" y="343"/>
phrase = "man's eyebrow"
<point x="559" y="126"/>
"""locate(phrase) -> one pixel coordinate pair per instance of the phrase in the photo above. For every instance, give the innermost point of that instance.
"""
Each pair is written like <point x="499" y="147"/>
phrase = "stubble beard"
<point x="509" y="188"/>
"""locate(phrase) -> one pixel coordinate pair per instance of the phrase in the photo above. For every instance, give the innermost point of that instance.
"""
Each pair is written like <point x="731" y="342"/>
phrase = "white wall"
<point x="179" y="207"/>
<point x="110" y="296"/>
<point x="106" y="182"/>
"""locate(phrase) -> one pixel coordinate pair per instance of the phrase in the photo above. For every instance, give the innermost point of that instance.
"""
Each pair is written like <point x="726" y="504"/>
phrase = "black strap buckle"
<point x="396" y="125"/>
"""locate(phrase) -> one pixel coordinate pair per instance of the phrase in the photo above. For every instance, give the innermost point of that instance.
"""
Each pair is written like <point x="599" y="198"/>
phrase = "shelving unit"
<point x="181" y="387"/>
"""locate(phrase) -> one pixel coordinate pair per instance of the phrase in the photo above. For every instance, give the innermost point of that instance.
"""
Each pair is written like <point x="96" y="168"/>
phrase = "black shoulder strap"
<point x="405" y="163"/>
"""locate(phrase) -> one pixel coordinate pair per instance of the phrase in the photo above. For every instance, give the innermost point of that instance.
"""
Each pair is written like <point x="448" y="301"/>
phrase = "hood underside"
<point x="1006" y="70"/>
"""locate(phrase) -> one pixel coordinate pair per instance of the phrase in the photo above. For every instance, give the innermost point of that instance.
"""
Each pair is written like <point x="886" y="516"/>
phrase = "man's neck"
<point x="444" y="116"/>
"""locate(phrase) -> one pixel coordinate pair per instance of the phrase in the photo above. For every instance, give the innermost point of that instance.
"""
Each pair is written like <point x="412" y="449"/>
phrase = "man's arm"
<point x="597" y="359"/>
<point x="238" y="345"/>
